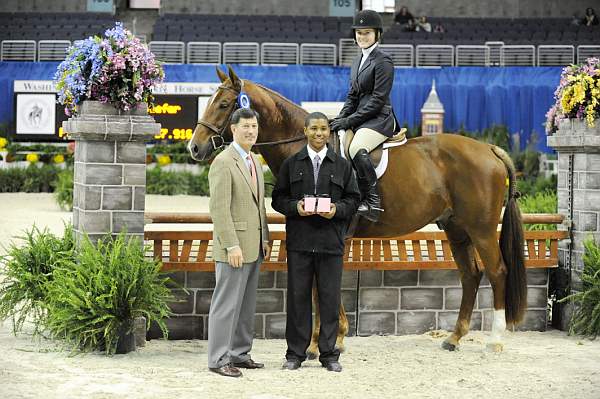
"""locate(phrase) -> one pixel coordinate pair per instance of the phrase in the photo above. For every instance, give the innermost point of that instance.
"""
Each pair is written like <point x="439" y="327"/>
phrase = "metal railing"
<point x="318" y="54"/>
<point x="467" y="55"/>
<point x="279" y="53"/>
<point x="517" y="55"/>
<point x="434" y="55"/>
<point x="584" y="52"/>
<point x="203" y="53"/>
<point x="17" y="50"/>
<point x="549" y="55"/>
<point x="403" y="55"/>
<point x="495" y="52"/>
<point x="241" y="53"/>
<point x="348" y="51"/>
<point x="168" y="52"/>
<point x="52" y="50"/>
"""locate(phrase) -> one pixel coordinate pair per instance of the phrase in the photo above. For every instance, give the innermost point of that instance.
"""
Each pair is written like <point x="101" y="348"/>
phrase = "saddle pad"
<point x="382" y="166"/>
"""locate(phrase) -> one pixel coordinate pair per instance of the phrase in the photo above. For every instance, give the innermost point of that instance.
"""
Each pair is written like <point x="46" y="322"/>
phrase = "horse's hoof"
<point x="311" y="355"/>
<point x="449" y="347"/>
<point x="340" y="348"/>
<point x="495" y="347"/>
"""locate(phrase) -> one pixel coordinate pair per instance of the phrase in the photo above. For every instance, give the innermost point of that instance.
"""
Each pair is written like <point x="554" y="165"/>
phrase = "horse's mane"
<point x="287" y="107"/>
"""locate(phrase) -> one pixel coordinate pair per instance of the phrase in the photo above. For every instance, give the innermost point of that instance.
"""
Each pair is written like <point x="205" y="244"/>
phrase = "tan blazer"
<point x="238" y="212"/>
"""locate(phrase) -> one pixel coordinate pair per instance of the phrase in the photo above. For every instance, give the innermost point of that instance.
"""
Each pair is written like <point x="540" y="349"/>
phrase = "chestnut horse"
<point x="455" y="181"/>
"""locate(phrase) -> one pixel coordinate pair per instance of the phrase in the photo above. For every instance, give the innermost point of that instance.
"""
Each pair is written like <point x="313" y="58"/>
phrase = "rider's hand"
<point x="339" y="124"/>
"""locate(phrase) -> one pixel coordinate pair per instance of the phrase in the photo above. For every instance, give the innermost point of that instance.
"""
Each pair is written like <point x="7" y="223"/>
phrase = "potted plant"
<point x="114" y="69"/>
<point x="577" y="96"/>
<point x="94" y="299"/>
<point x="25" y="272"/>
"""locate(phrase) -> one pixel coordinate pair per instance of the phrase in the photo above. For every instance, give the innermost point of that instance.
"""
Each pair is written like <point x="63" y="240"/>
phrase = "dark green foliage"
<point x="32" y="179"/>
<point x="63" y="189"/>
<point x="108" y="285"/>
<point x="540" y="202"/>
<point x="178" y="152"/>
<point x="586" y="317"/>
<point x="537" y="185"/>
<point x="27" y="270"/>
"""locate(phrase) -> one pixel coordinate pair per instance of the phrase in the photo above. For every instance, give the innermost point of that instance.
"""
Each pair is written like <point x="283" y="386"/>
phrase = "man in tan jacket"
<point x="240" y="241"/>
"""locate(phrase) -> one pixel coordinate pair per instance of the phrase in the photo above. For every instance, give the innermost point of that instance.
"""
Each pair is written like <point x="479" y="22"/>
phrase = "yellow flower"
<point x="32" y="157"/>
<point x="3" y="142"/>
<point x="164" y="160"/>
<point x="59" y="158"/>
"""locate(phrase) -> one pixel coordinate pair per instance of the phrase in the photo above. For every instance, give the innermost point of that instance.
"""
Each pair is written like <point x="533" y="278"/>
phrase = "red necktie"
<point x="252" y="172"/>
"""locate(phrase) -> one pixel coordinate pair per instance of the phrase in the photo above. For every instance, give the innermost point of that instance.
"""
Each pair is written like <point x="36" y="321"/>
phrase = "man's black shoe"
<point x="291" y="364"/>
<point x="333" y="366"/>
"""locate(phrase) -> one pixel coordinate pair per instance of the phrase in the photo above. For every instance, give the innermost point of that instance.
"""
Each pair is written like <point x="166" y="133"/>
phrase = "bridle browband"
<point x="218" y="132"/>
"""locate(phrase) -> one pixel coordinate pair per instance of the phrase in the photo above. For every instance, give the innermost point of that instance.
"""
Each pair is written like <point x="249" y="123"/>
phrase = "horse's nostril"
<point x="195" y="149"/>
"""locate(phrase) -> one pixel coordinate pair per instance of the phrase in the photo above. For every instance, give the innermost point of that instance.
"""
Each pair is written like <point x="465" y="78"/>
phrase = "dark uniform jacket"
<point x="315" y="233"/>
<point x="368" y="102"/>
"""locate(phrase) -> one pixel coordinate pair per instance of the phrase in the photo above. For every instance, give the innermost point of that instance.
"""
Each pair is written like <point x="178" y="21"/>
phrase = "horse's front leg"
<point x="313" y="350"/>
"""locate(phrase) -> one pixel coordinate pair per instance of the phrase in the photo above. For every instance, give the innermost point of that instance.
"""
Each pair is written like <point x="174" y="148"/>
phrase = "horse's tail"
<point x="511" y="246"/>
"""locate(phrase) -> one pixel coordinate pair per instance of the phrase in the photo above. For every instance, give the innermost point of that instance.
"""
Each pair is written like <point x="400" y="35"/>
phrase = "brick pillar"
<point x="578" y="148"/>
<point x="110" y="169"/>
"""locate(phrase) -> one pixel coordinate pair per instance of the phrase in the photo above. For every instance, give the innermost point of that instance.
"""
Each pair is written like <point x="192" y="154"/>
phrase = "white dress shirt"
<point x="366" y="52"/>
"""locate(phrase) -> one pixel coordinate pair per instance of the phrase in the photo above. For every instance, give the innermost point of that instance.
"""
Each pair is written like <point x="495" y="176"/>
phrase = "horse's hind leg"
<point x="342" y="330"/>
<point x="464" y="256"/>
<point x="313" y="349"/>
<point x="489" y="251"/>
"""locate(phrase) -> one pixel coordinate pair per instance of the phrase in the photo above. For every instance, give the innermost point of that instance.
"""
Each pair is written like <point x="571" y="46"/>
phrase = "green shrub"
<point x="537" y="185"/>
<point x="586" y="317"/>
<point x="63" y="189"/>
<point x="111" y="283"/>
<point x="541" y="202"/>
<point x="159" y="181"/>
<point x="32" y="179"/>
<point x="27" y="270"/>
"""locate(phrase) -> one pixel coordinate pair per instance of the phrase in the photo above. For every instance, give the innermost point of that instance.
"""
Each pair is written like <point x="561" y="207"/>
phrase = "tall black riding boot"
<point x="370" y="206"/>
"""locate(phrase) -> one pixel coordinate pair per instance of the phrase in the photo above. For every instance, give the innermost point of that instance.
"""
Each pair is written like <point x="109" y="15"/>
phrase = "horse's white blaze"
<point x="498" y="326"/>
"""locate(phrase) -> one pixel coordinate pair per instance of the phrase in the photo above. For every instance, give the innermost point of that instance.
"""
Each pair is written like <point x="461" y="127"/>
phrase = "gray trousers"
<point x="231" y="317"/>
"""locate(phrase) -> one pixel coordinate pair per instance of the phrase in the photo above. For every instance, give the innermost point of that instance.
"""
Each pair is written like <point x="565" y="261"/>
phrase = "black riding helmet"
<point x="368" y="19"/>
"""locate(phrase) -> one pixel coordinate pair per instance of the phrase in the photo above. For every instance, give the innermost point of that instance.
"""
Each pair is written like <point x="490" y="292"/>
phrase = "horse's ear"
<point x="222" y="75"/>
<point x="237" y="83"/>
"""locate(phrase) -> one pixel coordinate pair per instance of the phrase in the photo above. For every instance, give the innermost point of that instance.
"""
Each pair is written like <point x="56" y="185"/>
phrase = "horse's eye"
<point x="224" y="105"/>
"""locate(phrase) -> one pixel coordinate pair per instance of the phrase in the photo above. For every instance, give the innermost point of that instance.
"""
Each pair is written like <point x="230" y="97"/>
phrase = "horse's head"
<point x="212" y="130"/>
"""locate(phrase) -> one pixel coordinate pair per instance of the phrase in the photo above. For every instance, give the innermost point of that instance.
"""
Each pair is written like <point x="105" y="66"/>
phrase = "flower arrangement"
<point x="116" y="69"/>
<point x="577" y="96"/>
<point x="3" y="143"/>
<point x="58" y="158"/>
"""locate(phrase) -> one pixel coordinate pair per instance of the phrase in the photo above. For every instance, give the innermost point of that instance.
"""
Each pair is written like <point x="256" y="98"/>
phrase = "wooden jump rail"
<point x="191" y="250"/>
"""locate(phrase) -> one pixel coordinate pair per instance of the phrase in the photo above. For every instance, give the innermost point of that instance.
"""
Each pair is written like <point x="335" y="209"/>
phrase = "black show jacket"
<point x="315" y="233"/>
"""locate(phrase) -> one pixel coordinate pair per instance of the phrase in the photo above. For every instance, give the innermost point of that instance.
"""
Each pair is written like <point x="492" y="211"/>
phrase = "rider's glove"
<point x="339" y="124"/>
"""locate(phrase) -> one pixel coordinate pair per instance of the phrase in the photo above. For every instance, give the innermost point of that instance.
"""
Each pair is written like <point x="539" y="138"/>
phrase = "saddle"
<point x="341" y="145"/>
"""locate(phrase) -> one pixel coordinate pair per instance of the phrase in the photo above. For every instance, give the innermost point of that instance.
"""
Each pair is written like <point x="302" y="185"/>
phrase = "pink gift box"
<point x="310" y="204"/>
<point x="324" y="204"/>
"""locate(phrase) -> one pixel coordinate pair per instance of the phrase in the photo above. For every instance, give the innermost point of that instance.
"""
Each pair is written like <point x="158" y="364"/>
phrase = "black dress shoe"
<point x="226" y="370"/>
<point x="249" y="364"/>
<point x="333" y="366"/>
<point x="292" y="364"/>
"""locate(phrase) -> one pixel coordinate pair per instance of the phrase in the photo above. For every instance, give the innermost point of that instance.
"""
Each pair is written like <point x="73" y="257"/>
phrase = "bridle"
<point x="218" y="132"/>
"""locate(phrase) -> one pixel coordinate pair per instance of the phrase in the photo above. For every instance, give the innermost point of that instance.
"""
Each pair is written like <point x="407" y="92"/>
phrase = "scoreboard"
<point x="38" y="117"/>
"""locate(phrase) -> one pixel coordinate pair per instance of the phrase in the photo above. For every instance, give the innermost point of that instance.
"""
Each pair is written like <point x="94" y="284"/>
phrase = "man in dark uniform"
<point x="315" y="240"/>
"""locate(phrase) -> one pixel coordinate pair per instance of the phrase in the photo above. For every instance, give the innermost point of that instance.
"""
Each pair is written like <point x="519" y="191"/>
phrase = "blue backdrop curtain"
<point x="474" y="98"/>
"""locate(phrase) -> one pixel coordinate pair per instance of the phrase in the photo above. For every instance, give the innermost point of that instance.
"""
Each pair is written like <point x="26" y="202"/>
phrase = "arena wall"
<point x="388" y="303"/>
